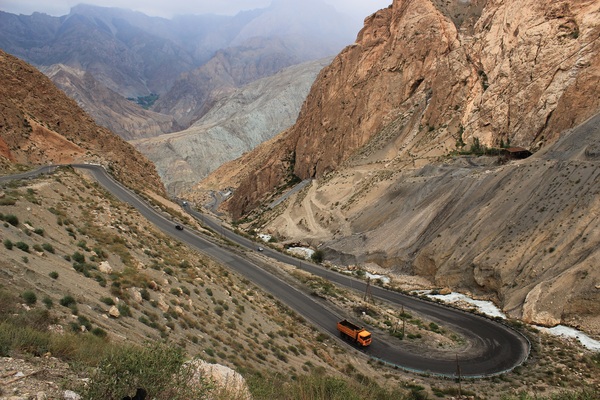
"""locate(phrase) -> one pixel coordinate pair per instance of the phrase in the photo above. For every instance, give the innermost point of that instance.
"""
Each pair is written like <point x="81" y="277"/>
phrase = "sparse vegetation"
<point x="68" y="301"/>
<point x="48" y="247"/>
<point x="145" y="101"/>
<point x="318" y="256"/>
<point x="320" y="385"/>
<point x="158" y="368"/>
<point x="108" y="301"/>
<point x="48" y="302"/>
<point x="194" y="305"/>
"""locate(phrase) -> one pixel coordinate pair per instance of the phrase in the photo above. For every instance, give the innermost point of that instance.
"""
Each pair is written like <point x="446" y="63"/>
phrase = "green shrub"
<point x="101" y="254"/>
<point x="145" y="294"/>
<point x="48" y="247"/>
<point x="100" y="279"/>
<point x="124" y="309"/>
<point x="48" y="302"/>
<point x="29" y="297"/>
<point x="158" y="368"/>
<point x="53" y="275"/>
<point x="67" y="301"/>
<point x="108" y="301"/>
<point x="99" y="332"/>
<point x="22" y="246"/>
<point x="84" y="321"/>
<point x="318" y="256"/>
<point x="8" y="244"/>
<point x="78" y="257"/>
<point x="11" y="219"/>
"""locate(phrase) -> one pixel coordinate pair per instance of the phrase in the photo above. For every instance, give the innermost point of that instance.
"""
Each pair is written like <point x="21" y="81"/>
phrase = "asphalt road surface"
<point x="493" y="348"/>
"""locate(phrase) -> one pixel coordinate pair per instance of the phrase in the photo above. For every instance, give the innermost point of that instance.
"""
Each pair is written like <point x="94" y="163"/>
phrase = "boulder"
<point x="105" y="267"/>
<point x="114" y="312"/>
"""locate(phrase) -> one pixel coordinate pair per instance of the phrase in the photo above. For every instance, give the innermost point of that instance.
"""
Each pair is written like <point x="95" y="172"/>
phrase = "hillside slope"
<point x="41" y="125"/>
<point x="377" y="132"/>
<point x="109" y="109"/>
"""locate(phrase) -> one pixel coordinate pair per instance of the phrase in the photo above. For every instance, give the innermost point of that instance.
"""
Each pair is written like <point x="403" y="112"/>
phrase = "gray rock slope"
<point x="237" y="123"/>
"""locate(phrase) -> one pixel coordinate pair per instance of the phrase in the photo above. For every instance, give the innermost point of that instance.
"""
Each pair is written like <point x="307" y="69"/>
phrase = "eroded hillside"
<point x="378" y="131"/>
<point x="109" y="109"/>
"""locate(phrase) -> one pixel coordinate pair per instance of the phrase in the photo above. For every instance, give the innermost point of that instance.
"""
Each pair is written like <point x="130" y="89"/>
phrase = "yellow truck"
<point x="359" y="335"/>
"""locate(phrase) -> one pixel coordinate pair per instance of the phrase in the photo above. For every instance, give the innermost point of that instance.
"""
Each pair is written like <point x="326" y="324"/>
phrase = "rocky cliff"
<point x="422" y="83"/>
<point x="41" y="125"/>
<point x="427" y="80"/>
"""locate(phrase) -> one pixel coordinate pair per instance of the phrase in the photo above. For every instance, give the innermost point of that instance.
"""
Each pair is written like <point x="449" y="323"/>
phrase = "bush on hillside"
<point x="156" y="367"/>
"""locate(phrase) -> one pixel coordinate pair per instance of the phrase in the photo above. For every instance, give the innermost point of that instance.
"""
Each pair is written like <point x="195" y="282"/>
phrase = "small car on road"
<point x="179" y="227"/>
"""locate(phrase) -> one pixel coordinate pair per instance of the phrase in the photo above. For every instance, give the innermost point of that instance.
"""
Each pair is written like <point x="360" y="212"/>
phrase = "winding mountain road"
<point x="493" y="347"/>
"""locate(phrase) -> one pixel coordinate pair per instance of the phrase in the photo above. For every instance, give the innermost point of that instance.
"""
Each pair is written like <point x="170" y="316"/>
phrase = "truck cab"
<point x="364" y="338"/>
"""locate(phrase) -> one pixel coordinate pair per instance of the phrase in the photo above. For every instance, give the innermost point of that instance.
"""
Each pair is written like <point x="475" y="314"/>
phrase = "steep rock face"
<point x="535" y="60"/>
<point x="376" y="131"/>
<point x="108" y="108"/>
<point x="431" y="83"/>
<point x="41" y="125"/>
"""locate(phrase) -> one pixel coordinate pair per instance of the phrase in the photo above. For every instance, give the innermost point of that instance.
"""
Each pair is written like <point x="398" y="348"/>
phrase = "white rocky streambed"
<point x="488" y="308"/>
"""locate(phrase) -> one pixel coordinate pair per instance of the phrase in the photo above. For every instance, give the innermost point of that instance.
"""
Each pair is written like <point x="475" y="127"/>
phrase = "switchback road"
<point x="493" y="347"/>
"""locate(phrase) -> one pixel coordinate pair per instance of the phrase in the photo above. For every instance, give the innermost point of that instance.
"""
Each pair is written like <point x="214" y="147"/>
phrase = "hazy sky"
<point x="162" y="8"/>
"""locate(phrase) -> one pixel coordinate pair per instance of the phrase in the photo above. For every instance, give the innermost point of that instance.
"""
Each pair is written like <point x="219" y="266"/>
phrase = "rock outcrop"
<point x="415" y="84"/>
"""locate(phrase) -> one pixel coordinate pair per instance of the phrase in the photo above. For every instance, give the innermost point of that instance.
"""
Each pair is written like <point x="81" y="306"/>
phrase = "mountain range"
<point x="186" y="60"/>
<point x="237" y="123"/>
<point x="107" y="58"/>
<point x="405" y="136"/>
